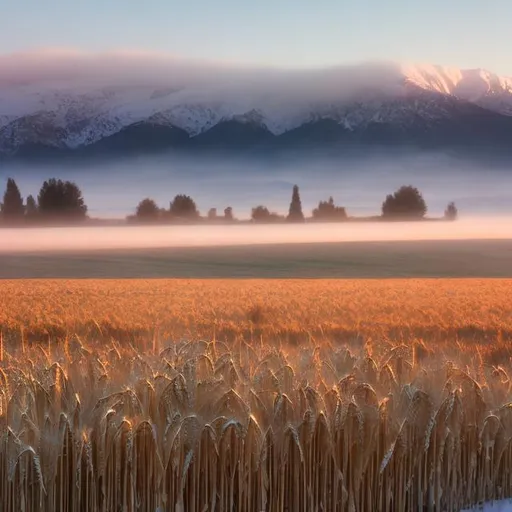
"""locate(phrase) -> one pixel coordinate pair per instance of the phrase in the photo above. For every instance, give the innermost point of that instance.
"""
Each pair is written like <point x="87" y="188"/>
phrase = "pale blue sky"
<point x="465" y="33"/>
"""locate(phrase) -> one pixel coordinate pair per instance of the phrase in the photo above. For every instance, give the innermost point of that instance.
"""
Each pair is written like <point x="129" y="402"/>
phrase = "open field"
<point x="303" y="395"/>
<point x="287" y="310"/>
<point x="427" y="258"/>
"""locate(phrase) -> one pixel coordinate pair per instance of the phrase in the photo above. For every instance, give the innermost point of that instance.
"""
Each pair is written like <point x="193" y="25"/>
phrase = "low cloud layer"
<point x="58" y="67"/>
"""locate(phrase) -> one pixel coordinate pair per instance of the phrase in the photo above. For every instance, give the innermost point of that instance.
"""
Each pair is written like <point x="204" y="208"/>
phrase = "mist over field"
<point x="113" y="188"/>
<point x="150" y="237"/>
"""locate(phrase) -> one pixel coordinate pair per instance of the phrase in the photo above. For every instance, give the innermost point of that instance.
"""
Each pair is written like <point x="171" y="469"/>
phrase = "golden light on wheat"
<point x="272" y="416"/>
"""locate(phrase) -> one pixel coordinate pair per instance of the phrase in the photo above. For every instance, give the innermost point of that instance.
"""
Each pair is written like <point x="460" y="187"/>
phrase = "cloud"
<point x="127" y="66"/>
<point x="130" y="85"/>
<point x="50" y="65"/>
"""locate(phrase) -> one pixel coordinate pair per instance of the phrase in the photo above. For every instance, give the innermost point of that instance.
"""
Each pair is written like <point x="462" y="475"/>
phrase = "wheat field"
<point x="255" y="395"/>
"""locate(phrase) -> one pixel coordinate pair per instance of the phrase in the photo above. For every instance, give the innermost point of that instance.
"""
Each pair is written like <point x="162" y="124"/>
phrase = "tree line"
<point x="57" y="200"/>
<point x="60" y="201"/>
<point x="406" y="203"/>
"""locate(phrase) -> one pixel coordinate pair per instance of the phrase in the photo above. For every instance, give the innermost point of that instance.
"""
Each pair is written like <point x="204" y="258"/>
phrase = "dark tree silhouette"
<point x="295" y="213"/>
<point x="228" y="214"/>
<point x="31" y="207"/>
<point x="328" y="211"/>
<point x="12" y="207"/>
<point x="406" y="203"/>
<point x="212" y="214"/>
<point x="147" y="209"/>
<point x="451" y="212"/>
<point x="264" y="215"/>
<point x="61" y="199"/>
<point x="184" y="207"/>
<point x="260" y="214"/>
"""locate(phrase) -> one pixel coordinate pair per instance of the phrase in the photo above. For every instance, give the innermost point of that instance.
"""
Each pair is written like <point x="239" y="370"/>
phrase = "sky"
<point x="282" y="33"/>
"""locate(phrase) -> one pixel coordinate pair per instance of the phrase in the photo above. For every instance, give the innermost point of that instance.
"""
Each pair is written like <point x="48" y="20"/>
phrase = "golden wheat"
<point x="292" y="310"/>
<point x="371" y="408"/>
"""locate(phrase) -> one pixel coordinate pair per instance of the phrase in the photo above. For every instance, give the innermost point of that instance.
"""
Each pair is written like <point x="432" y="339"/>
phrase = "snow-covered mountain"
<point x="169" y="105"/>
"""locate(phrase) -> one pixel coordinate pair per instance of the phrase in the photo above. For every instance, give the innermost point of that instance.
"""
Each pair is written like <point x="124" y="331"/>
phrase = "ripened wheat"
<point x="258" y="420"/>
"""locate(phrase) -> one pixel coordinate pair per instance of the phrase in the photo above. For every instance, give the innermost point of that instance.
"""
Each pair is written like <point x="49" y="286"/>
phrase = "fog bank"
<point x="359" y="182"/>
<point x="140" y="237"/>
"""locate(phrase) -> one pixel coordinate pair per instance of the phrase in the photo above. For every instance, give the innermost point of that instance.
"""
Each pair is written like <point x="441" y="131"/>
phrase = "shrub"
<point x="451" y="212"/>
<point x="228" y="214"/>
<point x="328" y="211"/>
<point x="147" y="209"/>
<point x="264" y="215"/>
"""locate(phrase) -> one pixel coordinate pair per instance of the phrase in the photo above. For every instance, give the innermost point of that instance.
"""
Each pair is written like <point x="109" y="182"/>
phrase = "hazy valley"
<point x="113" y="187"/>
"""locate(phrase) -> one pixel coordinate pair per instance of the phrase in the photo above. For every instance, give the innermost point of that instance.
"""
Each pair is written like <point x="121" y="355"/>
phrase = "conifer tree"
<point x="31" y="207"/>
<point x="295" y="213"/>
<point x="12" y="207"/>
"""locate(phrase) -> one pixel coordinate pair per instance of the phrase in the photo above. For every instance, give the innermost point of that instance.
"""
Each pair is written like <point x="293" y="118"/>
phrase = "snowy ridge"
<point x="469" y="84"/>
<point x="73" y="112"/>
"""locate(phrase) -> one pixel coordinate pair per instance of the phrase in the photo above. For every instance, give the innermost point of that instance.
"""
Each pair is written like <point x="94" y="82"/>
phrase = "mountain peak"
<point x="73" y="110"/>
<point x="467" y="84"/>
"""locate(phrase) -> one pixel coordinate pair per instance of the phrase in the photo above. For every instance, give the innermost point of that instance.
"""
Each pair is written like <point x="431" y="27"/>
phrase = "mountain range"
<point x="101" y="111"/>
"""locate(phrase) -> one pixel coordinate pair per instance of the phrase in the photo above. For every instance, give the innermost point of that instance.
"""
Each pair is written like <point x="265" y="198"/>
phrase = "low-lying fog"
<point x="50" y="239"/>
<point x="482" y="193"/>
<point x="360" y="183"/>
